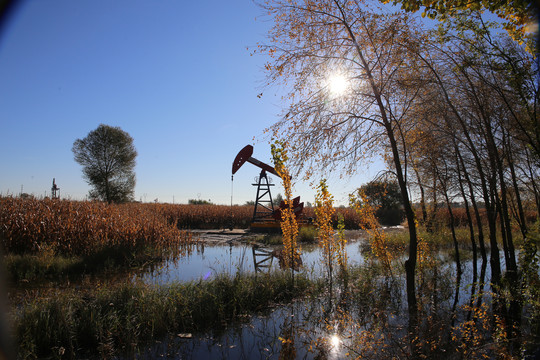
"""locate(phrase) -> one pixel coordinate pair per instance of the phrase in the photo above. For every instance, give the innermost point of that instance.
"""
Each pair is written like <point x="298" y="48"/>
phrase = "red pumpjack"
<point x="265" y="216"/>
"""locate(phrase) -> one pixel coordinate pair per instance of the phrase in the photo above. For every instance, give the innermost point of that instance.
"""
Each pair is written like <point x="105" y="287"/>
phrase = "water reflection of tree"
<point x="287" y="337"/>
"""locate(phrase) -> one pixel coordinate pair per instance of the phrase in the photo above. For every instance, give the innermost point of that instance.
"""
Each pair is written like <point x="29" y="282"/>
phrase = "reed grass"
<point x="45" y="266"/>
<point x="441" y="239"/>
<point x="81" y="228"/>
<point x="116" y="321"/>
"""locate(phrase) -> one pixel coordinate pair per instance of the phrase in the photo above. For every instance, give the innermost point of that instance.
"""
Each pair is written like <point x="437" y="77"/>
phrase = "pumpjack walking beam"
<point x="245" y="156"/>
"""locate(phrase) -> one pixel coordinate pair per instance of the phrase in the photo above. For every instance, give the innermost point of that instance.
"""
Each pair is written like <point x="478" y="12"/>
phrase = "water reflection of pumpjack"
<point x="263" y="258"/>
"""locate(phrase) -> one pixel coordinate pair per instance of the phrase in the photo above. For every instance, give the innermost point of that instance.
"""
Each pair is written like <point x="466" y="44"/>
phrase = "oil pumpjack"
<point x="265" y="216"/>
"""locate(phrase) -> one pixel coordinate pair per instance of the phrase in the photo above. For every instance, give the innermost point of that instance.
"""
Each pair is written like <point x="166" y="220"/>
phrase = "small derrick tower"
<point x="55" y="190"/>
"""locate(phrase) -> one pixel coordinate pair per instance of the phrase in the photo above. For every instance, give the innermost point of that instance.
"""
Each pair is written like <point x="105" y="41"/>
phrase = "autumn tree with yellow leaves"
<point x="519" y="17"/>
<point x="453" y="111"/>
<point x="360" y="202"/>
<point x="316" y="44"/>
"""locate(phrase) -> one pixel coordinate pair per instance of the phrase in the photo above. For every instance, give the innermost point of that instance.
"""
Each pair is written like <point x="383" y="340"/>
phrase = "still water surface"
<point x="260" y="336"/>
<point x="207" y="261"/>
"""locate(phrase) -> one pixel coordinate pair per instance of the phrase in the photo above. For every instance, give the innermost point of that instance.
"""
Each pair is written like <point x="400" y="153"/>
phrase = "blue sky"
<point x="176" y="75"/>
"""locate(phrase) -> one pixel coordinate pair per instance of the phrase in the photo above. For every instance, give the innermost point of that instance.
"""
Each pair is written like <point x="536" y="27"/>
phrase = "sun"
<point x="337" y="83"/>
<point x="335" y="341"/>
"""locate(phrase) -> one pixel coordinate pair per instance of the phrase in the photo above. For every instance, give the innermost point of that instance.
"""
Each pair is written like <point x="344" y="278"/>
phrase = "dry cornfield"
<point x="207" y="216"/>
<point x="82" y="227"/>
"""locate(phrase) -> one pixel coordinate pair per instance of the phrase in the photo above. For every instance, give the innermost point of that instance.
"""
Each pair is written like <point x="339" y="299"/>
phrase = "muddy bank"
<point x="239" y="236"/>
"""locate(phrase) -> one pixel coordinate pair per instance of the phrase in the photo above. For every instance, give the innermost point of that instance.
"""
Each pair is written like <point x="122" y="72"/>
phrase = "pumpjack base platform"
<point x="273" y="226"/>
<point x="265" y="226"/>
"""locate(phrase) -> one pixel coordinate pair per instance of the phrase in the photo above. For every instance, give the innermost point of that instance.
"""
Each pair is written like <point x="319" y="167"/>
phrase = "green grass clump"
<point x="113" y="321"/>
<point x="441" y="239"/>
<point x="31" y="267"/>
<point x="307" y="234"/>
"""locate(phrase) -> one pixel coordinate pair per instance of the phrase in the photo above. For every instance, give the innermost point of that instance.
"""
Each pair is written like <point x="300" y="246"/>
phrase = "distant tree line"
<point x="199" y="202"/>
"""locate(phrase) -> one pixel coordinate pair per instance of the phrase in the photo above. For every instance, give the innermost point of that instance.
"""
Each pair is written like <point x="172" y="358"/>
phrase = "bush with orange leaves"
<point x="83" y="228"/>
<point x="377" y="236"/>
<point x="289" y="224"/>
<point x="351" y="220"/>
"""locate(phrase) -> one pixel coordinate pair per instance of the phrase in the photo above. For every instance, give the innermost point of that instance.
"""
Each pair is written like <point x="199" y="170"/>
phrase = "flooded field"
<point x="231" y="256"/>
<point x="329" y="325"/>
<point x="308" y="328"/>
<point x="262" y="337"/>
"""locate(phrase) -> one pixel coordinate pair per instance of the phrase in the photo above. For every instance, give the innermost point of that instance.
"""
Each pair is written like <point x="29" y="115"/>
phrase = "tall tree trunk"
<point x="478" y="218"/>
<point x="434" y="206"/>
<point x="498" y="209"/>
<point x="108" y="191"/>
<point x="422" y="196"/>
<point x="495" y="260"/>
<point x="521" y="213"/>
<point x="536" y="188"/>
<point x="410" y="263"/>
<point x="453" y="231"/>
<point x="512" y="266"/>
<point x="469" y="218"/>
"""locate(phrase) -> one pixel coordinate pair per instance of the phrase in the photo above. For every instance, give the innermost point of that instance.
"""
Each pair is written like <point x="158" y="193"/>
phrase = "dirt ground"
<point x="237" y="236"/>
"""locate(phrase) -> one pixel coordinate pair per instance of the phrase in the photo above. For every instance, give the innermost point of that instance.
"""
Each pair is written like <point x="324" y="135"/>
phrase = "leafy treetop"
<point x="519" y="16"/>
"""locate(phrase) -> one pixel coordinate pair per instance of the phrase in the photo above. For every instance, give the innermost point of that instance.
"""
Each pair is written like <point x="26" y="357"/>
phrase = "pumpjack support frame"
<point x="264" y="206"/>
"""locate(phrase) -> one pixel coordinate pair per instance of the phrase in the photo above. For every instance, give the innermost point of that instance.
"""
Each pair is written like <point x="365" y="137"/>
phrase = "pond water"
<point x="207" y="261"/>
<point x="262" y="337"/>
<point x="305" y="325"/>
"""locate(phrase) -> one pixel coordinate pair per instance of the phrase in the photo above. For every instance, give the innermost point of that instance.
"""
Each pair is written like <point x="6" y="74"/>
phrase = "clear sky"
<point x="176" y="75"/>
